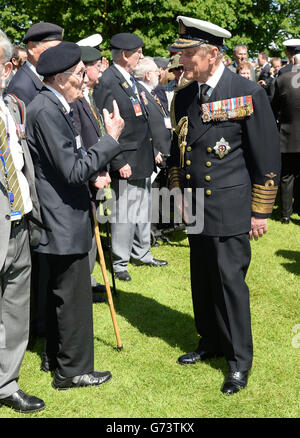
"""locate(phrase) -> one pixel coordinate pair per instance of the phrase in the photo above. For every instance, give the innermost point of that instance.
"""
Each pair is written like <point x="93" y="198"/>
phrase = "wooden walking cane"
<point x="106" y="282"/>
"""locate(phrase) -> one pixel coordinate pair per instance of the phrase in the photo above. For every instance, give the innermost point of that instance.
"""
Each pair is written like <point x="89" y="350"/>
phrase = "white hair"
<point x="143" y="66"/>
<point x="6" y="46"/>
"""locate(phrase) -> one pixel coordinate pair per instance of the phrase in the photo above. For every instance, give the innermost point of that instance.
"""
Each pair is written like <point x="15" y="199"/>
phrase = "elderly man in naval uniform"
<point x="228" y="146"/>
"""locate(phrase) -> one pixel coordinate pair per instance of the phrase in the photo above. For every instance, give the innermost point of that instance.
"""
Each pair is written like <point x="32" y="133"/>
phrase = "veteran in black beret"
<point x="89" y="124"/>
<point x="130" y="238"/>
<point x="27" y="83"/>
<point x="62" y="169"/>
<point x="227" y="146"/>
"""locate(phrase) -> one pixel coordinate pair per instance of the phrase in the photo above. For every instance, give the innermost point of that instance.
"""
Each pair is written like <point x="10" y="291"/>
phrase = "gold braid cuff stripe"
<point x="175" y="179"/>
<point x="263" y="198"/>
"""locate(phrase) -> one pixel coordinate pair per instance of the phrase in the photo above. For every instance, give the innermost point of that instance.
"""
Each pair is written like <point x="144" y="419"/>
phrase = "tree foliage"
<point x="260" y="24"/>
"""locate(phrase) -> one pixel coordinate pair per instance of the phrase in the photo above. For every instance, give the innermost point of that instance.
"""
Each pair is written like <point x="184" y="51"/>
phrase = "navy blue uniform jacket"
<point x="244" y="182"/>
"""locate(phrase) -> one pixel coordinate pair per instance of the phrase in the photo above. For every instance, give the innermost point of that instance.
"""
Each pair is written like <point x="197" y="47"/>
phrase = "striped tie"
<point x="9" y="172"/>
<point x="96" y="113"/>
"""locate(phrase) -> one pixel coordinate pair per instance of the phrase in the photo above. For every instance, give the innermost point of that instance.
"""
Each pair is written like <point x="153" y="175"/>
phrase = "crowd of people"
<point x="72" y="124"/>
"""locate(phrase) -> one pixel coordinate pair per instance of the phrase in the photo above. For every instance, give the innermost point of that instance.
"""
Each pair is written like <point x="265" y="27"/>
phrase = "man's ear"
<point x="213" y="55"/>
<point x="124" y="55"/>
<point x="7" y="70"/>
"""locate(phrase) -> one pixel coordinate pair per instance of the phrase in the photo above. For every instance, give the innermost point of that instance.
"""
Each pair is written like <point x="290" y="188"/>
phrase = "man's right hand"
<point x="125" y="171"/>
<point x="114" y="123"/>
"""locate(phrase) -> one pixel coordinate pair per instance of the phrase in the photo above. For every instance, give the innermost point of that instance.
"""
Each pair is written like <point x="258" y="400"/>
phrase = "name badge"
<point x="136" y="107"/>
<point x="78" y="142"/>
<point x="168" y="122"/>
<point x="15" y="215"/>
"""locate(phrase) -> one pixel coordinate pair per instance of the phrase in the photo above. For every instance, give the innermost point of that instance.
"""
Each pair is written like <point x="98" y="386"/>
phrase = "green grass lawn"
<point x="155" y="320"/>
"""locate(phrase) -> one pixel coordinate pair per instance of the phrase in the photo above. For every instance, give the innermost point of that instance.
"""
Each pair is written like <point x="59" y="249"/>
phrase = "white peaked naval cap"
<point x="92" y="41"/>
<point x="194" y="32"/>
<point x="292" y="43"/>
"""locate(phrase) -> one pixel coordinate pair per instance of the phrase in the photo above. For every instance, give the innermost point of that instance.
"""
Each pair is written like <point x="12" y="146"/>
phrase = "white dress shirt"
<point x="60" y="97"/>
<point x="32" y="68"/>
<point x="124" y="73"/>
<point x="214" y="79"/>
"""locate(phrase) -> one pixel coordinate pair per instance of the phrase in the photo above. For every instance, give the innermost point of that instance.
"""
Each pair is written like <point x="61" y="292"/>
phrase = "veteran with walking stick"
<point x="232" y="152"/>
<point x="63" y="169"/>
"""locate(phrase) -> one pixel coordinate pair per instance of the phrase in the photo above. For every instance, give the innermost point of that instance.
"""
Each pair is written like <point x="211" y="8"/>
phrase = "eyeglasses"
<point x="80" y="74"/>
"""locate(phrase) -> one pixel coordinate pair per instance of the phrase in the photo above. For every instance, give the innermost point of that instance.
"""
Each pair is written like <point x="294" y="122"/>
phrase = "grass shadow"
<point x="157" y="320"/>
<point x="294" y="257"/>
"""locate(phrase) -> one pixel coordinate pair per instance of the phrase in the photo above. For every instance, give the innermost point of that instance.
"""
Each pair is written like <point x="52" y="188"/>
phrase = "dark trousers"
<point x="290" y="184"/>
<point x="221" y="296"/>
<point x="69" y="321"/>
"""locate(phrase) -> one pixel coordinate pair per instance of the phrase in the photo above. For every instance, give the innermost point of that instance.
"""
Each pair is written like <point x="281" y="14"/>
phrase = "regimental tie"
<point x="96" y="113"/>
<point x="9" y="171"/>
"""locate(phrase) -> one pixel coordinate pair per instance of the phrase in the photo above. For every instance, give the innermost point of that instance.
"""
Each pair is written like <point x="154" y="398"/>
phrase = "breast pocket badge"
<point x="222" y="148"/>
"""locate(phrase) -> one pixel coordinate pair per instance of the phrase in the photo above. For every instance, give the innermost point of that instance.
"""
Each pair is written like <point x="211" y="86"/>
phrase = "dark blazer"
<point x="85" y="123"/>
<point x="136" y="135"/>
<point x="264" y="73"/>
<point x="287" y="68"/>
<point x="25" y="84"/>
<point x="62" y="170"/>
<point x="161" y="136"/>
<point x="252" y="161"/>
<point x="161" y="94"/>
<point x="87" y="127"/>
<point x="286" y="106"/>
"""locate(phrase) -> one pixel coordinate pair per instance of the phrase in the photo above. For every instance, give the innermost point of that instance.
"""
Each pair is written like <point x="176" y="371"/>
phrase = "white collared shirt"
<point x="86" y="95"/>
<point x="59" y="97"/>
<point x="17" y="155"/>
<point x="214" y="79"/>
<point x="32" y="68"/>
<point x="124" y="73"/>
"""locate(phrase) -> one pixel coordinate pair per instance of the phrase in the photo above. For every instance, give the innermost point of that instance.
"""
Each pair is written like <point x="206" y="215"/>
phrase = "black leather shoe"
<point x="285" y="220"/>
<point x="92" y="379"/>
<point x="97" y="299"/>
<point x="123" y="276"/>
<point x="154" y="262"/>
<point x="99" y="288"/>
<point x="21" y="402"/>
<point x="235" y="381"/>
<point x="48" y="364"/>
<point x="197" y="356"/>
